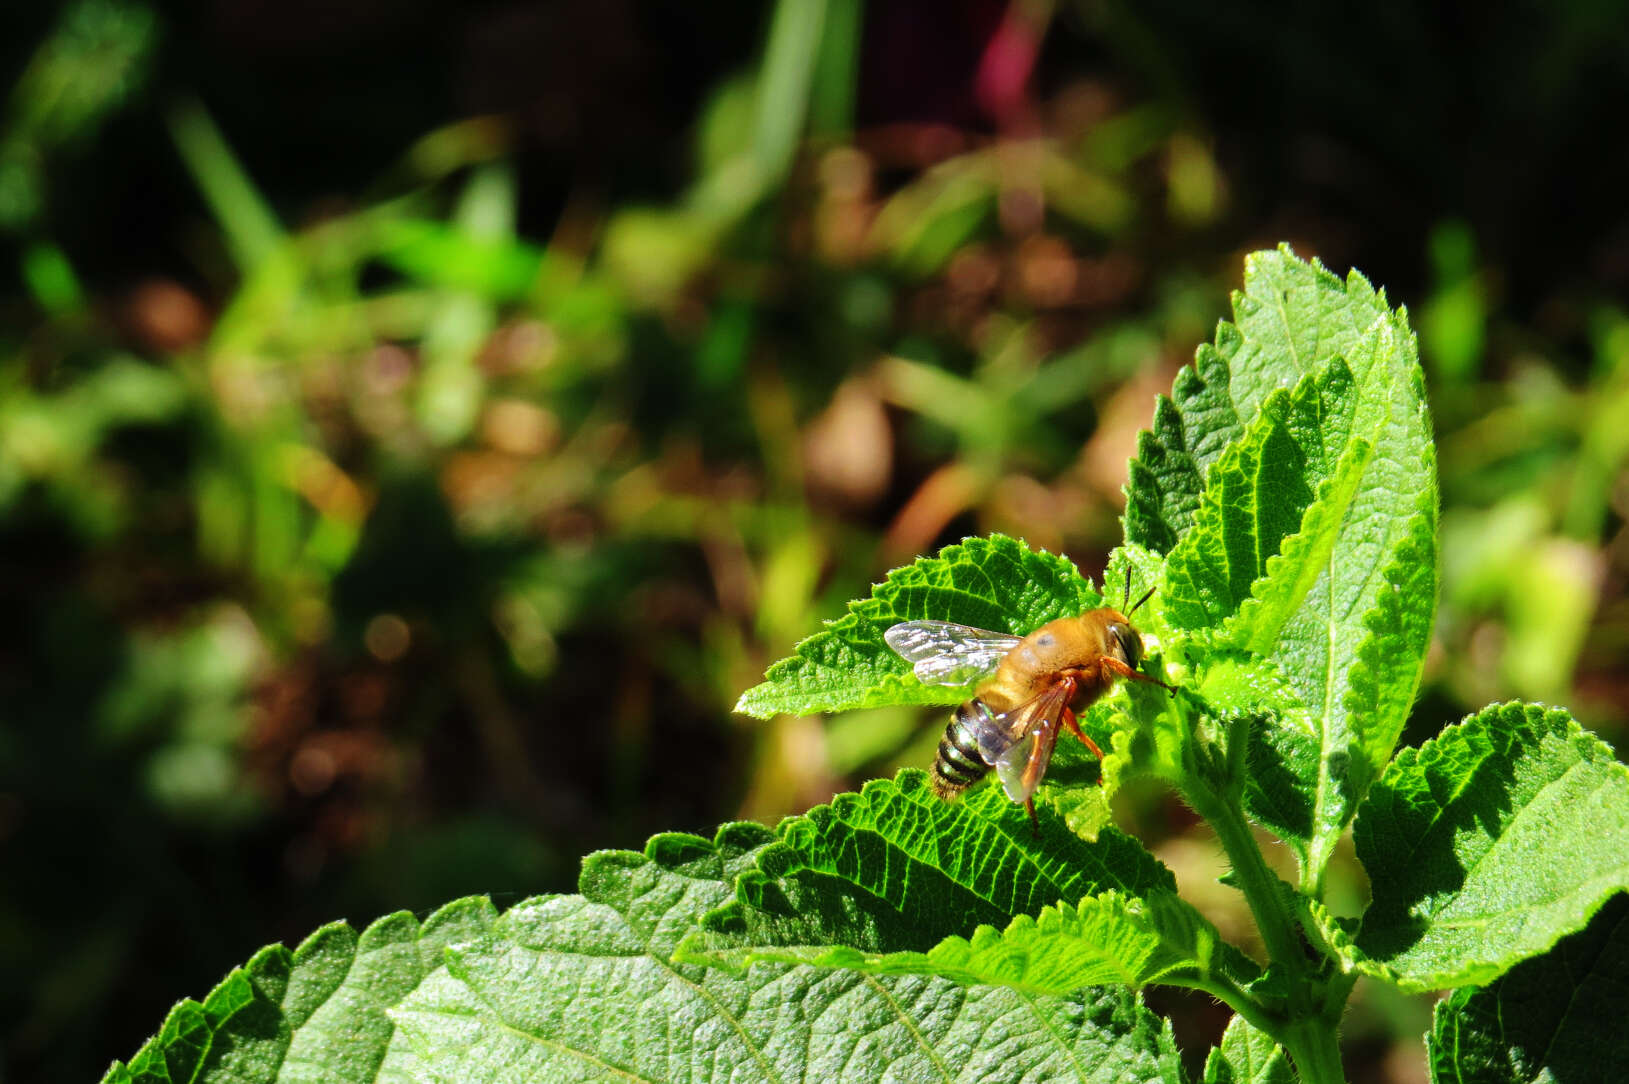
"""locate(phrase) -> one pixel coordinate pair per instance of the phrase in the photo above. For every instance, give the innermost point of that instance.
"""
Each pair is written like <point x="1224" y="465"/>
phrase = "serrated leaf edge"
<point x="1538" y="719"/>
<point x="948" y="959"/>
<point x="768" y="699"/>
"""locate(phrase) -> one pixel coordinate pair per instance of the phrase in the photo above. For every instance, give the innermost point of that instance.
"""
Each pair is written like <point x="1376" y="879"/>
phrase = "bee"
<point x="1036" y="683"/>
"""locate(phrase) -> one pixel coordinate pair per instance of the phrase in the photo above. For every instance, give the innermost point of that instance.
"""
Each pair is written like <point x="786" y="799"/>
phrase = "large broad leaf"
<point x="1255" y="496"/>
<point x="1107" y="939"/>
<point x="1247" y="1056"/>
<point x="578" y="988"/>
<point x="1308" y="535"/>
<point x="584" y="988"/>
<point x="1487" y="844"/>
<point x="1290" y="321"/>
<point x="896" y="868"/>
<point x="894" y="881"/>
<point x="1555" y="1017"/>
<point x="995" y="583"/>
<point x="314" y="1014"/>
<point x="1345" y="609"/>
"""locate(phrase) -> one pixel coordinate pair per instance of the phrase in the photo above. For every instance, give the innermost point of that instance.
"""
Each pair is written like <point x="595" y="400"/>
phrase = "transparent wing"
<point x="1009" y="769"/>
<point x="1031" y="724"/>
<point x="945" y="653"/>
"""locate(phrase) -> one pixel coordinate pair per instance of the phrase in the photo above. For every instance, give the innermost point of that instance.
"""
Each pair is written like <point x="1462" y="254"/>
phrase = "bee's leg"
<point x="1034" y="821"/>
<point x="1073" y="726"/>
<point x="1115" y="666"/>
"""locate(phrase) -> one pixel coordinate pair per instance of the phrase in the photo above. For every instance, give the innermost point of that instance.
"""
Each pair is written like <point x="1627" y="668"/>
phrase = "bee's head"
<point x="1126" y="638"/>
<point x="1120" y="630"/>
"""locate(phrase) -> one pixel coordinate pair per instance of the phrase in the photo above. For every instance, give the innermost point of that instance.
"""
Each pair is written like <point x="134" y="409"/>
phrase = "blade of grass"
<point x="251" y="227"/>
<point x="831" y="96"/>
<point x="451" y="391"/>
<point x="783" y="82"/>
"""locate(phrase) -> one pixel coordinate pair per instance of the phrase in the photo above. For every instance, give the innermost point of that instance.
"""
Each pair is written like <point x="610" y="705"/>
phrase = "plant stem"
<point x="1313" y="1046"/>
<point x="1228" y="993"/>
<point x="1310" y="1040"/>
<point x="1262" y="889"/>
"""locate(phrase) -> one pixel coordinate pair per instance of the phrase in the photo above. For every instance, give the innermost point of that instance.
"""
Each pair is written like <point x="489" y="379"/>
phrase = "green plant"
<point x="1284" y="510"/>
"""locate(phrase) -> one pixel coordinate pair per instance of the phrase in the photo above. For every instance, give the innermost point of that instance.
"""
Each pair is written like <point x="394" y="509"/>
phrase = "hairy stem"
<point x="1230" y="994"/>
<point x="1313" y="1045"/>
<point x="1262" y="889"/>
<point x="1310" y="1038"/>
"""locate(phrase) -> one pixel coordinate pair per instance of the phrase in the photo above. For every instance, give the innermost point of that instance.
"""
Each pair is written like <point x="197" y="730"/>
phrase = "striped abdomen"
<point x="972" y="741"/>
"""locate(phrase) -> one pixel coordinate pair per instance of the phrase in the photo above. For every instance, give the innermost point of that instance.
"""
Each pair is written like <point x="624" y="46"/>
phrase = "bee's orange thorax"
<point x="1067" y="647"/>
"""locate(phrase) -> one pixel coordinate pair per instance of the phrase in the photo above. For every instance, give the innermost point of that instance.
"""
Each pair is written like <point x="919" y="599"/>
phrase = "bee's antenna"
<point x="1146" y="596"/>
<point x="1127" y="597"/>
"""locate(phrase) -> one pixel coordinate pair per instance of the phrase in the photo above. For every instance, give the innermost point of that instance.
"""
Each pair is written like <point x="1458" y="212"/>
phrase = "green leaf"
<point x="1282" y="746"/>
<point x="1254" y="497"/>
<point x="317" y="1013"/>
<point x="890" y="881"/>
<point x="451" y="255"/>
<point x="1277" y="791"/>
<point x="1488" y="844"/>
<point x="1555" y="1017"/>
<point x="1191" y="430"/>
<point x="894" y="868"/>
<point x="1247" y="1056"/>
<point x="1106" y="939"/>
<point x="995" y="583"/>
<point x="1164" y="482"/>
<point x="1300" y="442"/>
<point x="1346" y="605"/>
<point x="1291" y="320"/>
<point x="585" y="988"/>
<point x="1302" y="524"/>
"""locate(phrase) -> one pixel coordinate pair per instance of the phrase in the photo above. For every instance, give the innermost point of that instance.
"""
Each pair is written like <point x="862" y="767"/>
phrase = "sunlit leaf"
<point x="317" y="1013"/>
<point x="1106" y="939"/>
<point x="1307" y="535"/>
<point x="894" y="868"/>
<point x="995" y="583"/>
<point x="1246" y="1056"/>
<point x="1558" y="1016"/>
<point x="1488" y="844"/>
<point x="584" y="987"/>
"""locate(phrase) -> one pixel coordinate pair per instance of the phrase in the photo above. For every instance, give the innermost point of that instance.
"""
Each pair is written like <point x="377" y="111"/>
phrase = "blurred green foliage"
<point x="380" y="526"/>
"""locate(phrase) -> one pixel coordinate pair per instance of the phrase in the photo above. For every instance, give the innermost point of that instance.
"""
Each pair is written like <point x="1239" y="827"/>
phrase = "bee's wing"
<point x="1009" y="768"/>
<point x="944" y="653"/>
<point x="1032" y="723"/>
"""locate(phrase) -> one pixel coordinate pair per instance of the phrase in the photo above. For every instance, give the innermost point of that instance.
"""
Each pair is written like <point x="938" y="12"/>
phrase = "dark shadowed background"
<point x="419" y="421"/>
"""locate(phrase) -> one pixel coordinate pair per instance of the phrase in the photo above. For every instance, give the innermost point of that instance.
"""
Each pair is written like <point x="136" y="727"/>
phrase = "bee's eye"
<point x="1131" y="645"/>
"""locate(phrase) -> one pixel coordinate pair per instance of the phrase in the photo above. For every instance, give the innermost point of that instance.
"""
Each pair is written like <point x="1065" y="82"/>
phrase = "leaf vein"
<point x="1052" y="1032"/>
<point x="904" y="1018"/>
<point x="552" y="1044"/>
